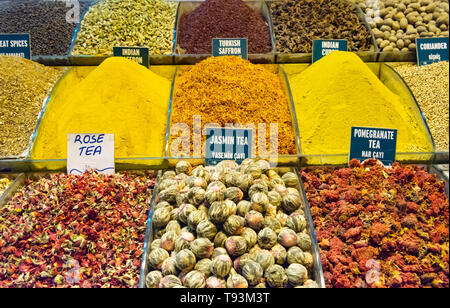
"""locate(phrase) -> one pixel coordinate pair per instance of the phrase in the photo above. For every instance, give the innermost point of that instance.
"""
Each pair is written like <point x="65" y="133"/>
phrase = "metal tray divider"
<point x="148" y="234"/>
<point x="12" y="189"/>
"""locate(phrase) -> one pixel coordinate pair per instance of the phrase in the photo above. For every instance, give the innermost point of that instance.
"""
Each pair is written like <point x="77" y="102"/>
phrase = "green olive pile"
<point x="229" y="226"/>
<point x="397" y="23"/>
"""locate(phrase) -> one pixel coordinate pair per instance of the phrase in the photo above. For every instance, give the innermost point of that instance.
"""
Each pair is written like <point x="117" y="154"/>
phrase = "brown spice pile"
<point x="223" y="19"/>
<point x="231" y="90"/>
<point x="23" y="86"/>
<point x="298" y="22"/>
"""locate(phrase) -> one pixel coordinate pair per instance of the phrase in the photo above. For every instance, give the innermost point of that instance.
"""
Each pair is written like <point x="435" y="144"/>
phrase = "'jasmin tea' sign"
<point x="228" y="144"/>
<point x="90" y="152"/>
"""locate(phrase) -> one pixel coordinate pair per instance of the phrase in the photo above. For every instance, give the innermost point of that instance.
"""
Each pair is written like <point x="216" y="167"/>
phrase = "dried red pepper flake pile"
<point x="380" y="227"/>
<point x="75" y="231"/>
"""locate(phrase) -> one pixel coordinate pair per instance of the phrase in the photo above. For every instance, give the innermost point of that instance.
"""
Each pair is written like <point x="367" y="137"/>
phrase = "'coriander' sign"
<point x="15" y="45"/>
<point x="90" y="151"/>
<point x="323" y="47"/>
<point x="138" y="54"/>
<point x="431" y="50"/>
<point x="230" y="47"/>
<point x="228" y="144"/>
<point x="378" y="143"/>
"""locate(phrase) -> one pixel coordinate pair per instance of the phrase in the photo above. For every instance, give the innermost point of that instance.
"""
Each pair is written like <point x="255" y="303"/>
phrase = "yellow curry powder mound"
<point x="119" y="97"/>
<point x="231" y="92"/>
<point x="340" y="91"/>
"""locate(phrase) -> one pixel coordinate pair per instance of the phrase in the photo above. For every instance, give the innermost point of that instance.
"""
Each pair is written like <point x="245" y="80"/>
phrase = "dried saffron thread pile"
<point x="75" y="231"/>
<point x="223" y="19"/>
<point x="369" y="217"/>
<point x="229" y="90"/>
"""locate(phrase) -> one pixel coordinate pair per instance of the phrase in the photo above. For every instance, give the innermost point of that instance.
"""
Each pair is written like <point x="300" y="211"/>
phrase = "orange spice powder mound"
<point x="230" y="91"/>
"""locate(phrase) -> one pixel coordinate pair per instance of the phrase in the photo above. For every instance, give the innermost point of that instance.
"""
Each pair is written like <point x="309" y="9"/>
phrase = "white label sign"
<point x="90" y="151"/>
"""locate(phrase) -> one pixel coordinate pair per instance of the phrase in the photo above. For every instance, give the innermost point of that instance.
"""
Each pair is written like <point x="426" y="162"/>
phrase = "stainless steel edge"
<point x="12" y="189"/>
<point x="148" y="234"/>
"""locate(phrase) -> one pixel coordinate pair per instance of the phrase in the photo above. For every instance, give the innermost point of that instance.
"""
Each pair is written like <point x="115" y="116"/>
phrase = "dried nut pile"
<point x="75" y="231"/>
<point x="109" y="23"/>
<point x="46" y="22"/>
<point x="397" y="23"/>
<point x="4" y="184"/>
<point x="298" y="22"/>
<point x="229" y="227"/>
<point x="429" y="85"/>
<point x="380" y="227"/>
<point x="24" y="85"/>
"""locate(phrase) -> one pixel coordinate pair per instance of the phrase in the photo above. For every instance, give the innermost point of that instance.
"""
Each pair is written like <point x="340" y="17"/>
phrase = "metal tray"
<point x="12" y="178"/>
<point x="317" y="273"/>
<point x="280" y="160"/>
<point x="397" y="85"/>
<point x="366" y="56"/>
<point x="185" y="7"/>
<point x="91" y="60"/>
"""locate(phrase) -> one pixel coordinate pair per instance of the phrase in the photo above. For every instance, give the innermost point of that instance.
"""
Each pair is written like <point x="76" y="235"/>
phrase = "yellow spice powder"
<point x="340" y="91"/>
<point x="118" y="97"/>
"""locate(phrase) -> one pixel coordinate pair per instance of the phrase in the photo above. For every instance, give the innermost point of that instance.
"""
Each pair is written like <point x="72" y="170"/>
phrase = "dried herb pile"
<point x="298" y="22"/>
<point x="229" y="90"/>
<point x="229" y="226"/>
<point x="223" y="19"/>
<point x="109" y="23"/>
<point x="46" y="22"/>
<point x="75" y="231"/>
<point x="24" y="85"/>
<point x="4" y="184"/>
<point x="380" y="227"/>
<point x="397" y="23"/>
<point x="429" y="85"/>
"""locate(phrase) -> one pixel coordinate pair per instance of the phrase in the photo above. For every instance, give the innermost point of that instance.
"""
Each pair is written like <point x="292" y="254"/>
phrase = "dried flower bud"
<point x="274" y="182"/>
<point x="273" y="223"/>
<point x="185" y="260"/>
<point x="195" y="218"/>
<point x="261" y="285"/>
<point x="215" y="283"/>
<point x="215" y="192"/>
<point x="260" y="201"/>
<point x="218" y="252"/>
<point x="169" y="194"/>
<point x="297" y="274"/>
<point x="296" y="222"/>
<point x="173" y="226"/>
<point x="236" y="281"/>
<point x="163" y="204"/>
<point x="218" y="212"/>
<point x="161" y="217"/>
<point x="243" y="208"/>
<point x="250" y="236"/>
<point x="220" y="239"/>
<point x="258" y="188"/>
<point x="274" y="198"/>
<point x="221" y="266"/>
<point x="281" y="189"/>
<point x="287" y="237"/>
<point x="276" y="276"/>
<point x="184" y="211"/>
<point x="267" y="238"/>
<point x="169" y="281"/>
<point x="168" y="241"/>
<point x="206" y="229"/>
<point x="157" y="257"/>
<point x="234" y="194"/>
<point x="152" y="279"/>
<point x="196" y="195"/>
<point x="254" y="170"/>
<point x="264" y="258"/>
<point x="282" y="218"/>
<point x="295" y="255"/>
<point x="183" y="167"/>
<point x="155" y="244"/>
<point x="234" y="225"/>
<point x="236" y="245"/>
<point x="169" y="267"/>
<point x="291" y="202"/>
<point x="204" y="266"/>
<point x="244" y="181"/>
<point x="183" y="241"/>
<point x="239" y="262"/>
<point x="194" y="279"/>
<point x="254" y="220"/>
<point x="202" y="248"/>
<point x="290" y="179"/>
<point x="253" y="272"/>
<point x="304" y="241"/>
<point x="279" y="253"/>
<point x="201" y="171"/>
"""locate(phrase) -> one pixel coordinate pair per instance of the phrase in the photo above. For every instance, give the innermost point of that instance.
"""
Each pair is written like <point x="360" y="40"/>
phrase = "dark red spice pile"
<point x="75" y="231"/>
<point x="223" y="19"/>
<point x="380" y="227"/>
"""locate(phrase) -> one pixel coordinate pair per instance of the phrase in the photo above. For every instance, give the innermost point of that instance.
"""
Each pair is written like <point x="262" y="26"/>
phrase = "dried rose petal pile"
<point x="380" y="227"/>
<point x="75" y="231"/>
